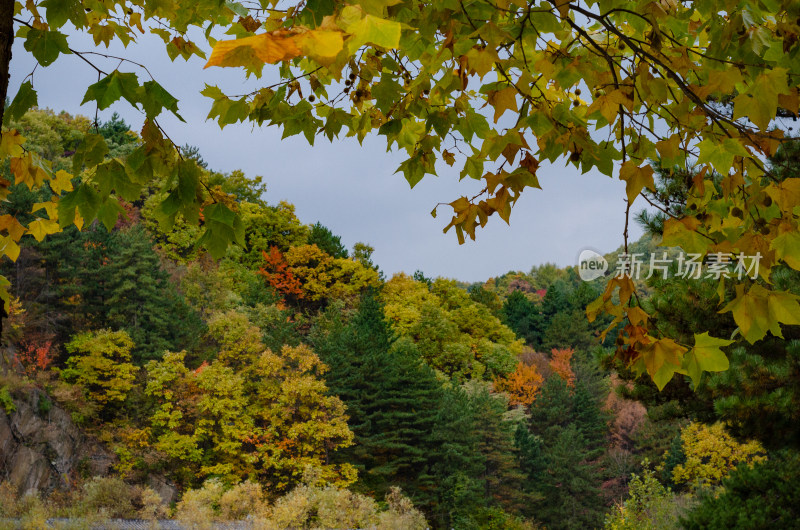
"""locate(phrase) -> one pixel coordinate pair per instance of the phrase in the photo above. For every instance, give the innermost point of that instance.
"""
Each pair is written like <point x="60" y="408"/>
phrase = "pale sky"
<point x="351" y="188"/>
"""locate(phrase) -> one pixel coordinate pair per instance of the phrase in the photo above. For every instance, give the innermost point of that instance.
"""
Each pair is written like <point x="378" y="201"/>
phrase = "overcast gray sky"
<point x="351" y="188"/>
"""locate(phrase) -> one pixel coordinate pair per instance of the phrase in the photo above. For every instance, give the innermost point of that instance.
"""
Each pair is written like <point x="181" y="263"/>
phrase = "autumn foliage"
<point x="711" y="454"/>
<point x="279" y="275"/>
<point x="35" y="355"/>
<point x="560" y="364"/>
<point x="522" y="385"/>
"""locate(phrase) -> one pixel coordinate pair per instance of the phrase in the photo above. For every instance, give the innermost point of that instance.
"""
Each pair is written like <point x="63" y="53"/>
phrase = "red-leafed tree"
<point x="36" y="354"/>
<point x="279" y="274"/>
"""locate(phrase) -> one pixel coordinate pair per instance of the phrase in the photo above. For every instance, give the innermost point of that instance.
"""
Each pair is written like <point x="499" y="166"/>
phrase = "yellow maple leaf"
<point x="61" y="181"/>
<point x="272" y="47"/>
<point x="43" y="227"/>
<point x="662" y="359"/>
<point x="785" y="193"/>
<point x="9" y="247"/>
<point x="11" y="144"/>
<point x="503" y="100"/>
<point x="482" y="60"/>
<point x="10" y="224"/>
<point x="683" y="233"/>
<point x="669" y="148"/>
<point x="609" y="104"/>
<point x="25" y="171"/>
<point x="51" y="207"/>
<point x="636" y="178"/>
<point x="320" y="45"/>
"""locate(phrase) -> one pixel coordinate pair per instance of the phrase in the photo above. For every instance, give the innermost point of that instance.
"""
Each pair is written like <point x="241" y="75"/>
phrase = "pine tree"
<point x="589" y="419"/>
<point x="99" y="279"/>
<point x="139" y="298"/>
<point x="523" y="316"/>
<point x="325" y="239"/>
<point x="391" y="398"/>
<point x="500" y="471"/>
<point x="456" y="471"/>
<point x="570" y="483"/>
<point x="552" y="410"/>
<point x="560" y="460"/>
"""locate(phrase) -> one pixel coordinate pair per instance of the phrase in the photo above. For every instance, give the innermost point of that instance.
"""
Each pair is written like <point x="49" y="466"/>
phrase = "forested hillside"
<point x="290" y="382"/>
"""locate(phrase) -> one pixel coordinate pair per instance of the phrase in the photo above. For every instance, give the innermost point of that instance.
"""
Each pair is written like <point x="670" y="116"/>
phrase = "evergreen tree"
<point x="523" y="316"/>
<point x="325" y="239"/>
<point x="96" y="279"/>
<point x="118" y="135"/>
<point x="502" y="477"/>
<point x="556" y="299"/>
<point x="567" y="328"/>
<point x="589" y="418"/>
<point x="560" y="458"/>
<point x="391" y="397"/>
<point x="530" y="449"/>
<point x="570" y="484"/>
<point x="139" y="298"/>
<point x="552" y="410"/>
<point x="456" y="471"/>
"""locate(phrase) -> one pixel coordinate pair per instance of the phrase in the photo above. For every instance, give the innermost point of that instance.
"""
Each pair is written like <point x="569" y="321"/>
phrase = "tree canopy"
<point x="496" y="89"/>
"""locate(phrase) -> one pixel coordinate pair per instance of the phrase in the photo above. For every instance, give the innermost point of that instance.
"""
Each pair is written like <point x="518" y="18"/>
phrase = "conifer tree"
<point x="502" y="477"/>
<point x="570" y="483"/>
<point x="589" y="419"/>
<point x="523" y="316"/>
<point x="391" y="398"/>
<point x="325" y="239"/>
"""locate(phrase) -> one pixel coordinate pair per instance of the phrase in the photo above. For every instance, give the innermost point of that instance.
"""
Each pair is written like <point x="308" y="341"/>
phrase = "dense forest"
<point x="292" y="384"/>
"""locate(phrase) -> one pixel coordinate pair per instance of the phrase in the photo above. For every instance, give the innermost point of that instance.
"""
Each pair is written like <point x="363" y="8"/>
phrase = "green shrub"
<point x="43" y="405"/>
<point x="650" y="505"/>
<point x="6" y="401"/>
<point x="110" y="497"/>
<point x="199" y="508"/>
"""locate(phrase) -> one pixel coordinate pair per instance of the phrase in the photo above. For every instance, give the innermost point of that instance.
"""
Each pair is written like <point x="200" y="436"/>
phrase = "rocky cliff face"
<point x="40" y="447"/>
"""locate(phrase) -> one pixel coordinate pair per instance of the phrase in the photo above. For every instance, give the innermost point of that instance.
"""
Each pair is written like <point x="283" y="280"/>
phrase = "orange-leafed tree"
<point x="279" y="274"/>
<point x="521" y="385"/>
<point x="36" y="354"/>
<point x="560" y="362"/>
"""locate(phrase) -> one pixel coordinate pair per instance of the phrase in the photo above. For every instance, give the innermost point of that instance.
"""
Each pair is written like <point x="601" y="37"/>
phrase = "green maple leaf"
<point x="108" y="213"/>
<point x="417" y="166"/>
<point x="24" y="100"/>
<point x="112" y="176"/>
<point x="371" y="30"/>
<point x="90" y="152"/>
<point x="85" y="199"/>
<point x="154" y="98"/>
<point x="46" y="45"/>
<point x="706" y="356"/>
<point x="787" y="248"/>
<point x="111" y="88"/>
<point x="58" y="12"/>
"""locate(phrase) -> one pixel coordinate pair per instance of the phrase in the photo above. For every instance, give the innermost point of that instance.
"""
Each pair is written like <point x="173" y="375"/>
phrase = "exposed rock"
<point x="166" y="490"/>
<point x="45" y="450"/>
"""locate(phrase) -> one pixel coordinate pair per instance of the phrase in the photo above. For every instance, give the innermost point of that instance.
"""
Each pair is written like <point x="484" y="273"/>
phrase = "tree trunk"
<point x="6" y="40"/>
